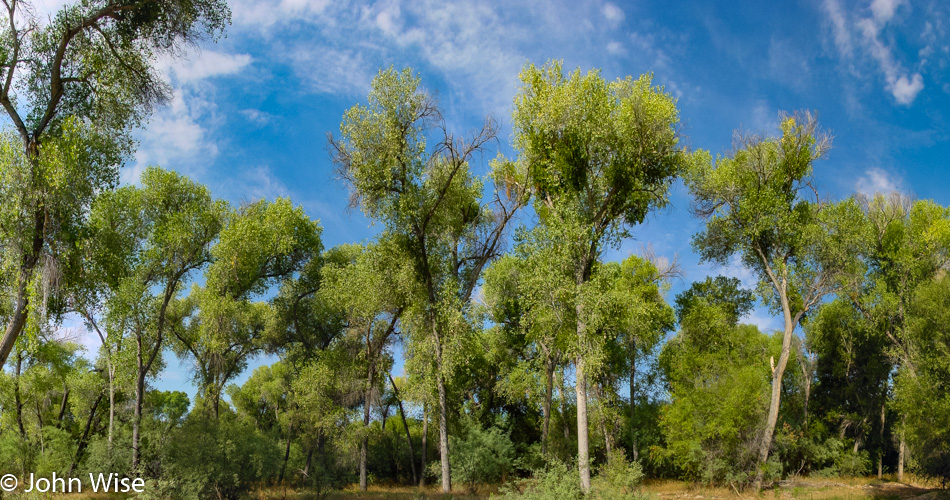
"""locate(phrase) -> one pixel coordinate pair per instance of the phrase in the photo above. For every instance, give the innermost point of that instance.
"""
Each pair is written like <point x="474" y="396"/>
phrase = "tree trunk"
<point x="84" y="439"/>
<point x="111" y="406"/>
<point x="16" y="394"/>
<point x="806" y="375"/>
<point x="18" y="318"/>
<point x="308" y="462"/>
<point x="405" y="425"/>
<point x="62" y="408"/>
<point x="283" y="466"/>
<point x="765" y="442"/>
<point x="880" y="435"/>
<point x="364" y="444"/>
<point x="546" y="409"/>
<point x="633" y="402"/>
<point x="583" y="446"/>
<point x="583" y="450"/>
<point x="425" y="445"/>
<point x="444" y="431"/>
<point x="567" y="424"/>
<point x="900" y="454"/>
<point x="443" y="411"/>
<point x="139" y="400"/>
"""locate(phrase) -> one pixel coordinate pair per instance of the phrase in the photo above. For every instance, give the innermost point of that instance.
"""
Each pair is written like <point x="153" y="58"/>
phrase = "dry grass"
<point x="804" y="489"/>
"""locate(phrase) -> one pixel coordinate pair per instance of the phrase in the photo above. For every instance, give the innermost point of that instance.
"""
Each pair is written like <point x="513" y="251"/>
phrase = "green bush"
<point x="480" y="455"/>
<point x="556" y="481"/>
<point x="619" y="478"/>
<point x="215" y="459"/>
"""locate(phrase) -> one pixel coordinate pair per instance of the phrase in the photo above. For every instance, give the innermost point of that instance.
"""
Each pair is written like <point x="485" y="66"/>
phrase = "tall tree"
<point x="173" y="223"/>
<point x="84" y="79"/>
<point x="717" y="375"/>
<point x="369" y="289"/>
<point x="260" y="245"/>
<point x="601" y="156"/>
<point x="431" y="204"/>
<point x="906" y="245"/>
<point x="760" y="204"/>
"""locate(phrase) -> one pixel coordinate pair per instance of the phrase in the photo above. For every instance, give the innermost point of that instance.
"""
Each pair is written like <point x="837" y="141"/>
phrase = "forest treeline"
<point x="529" y="359"/>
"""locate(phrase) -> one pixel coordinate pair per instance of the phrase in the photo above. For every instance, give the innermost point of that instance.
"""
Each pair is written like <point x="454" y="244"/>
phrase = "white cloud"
<point x="260" y="182"/>
<point x="876" y="180"/>
<point x="902" y="84"/>
<point x="883" y="10"/>
<point x="264" y="15"/>
<point x="616" y="48"/>
<point x="904" y="90"/>
<point x="839" y="24"/>
<point x="613" y="13"/>
<point x="176" y="137"/>
<point x="257" y="116"/>
<point x="333" y="71"/>
<point x="204" y="64"/>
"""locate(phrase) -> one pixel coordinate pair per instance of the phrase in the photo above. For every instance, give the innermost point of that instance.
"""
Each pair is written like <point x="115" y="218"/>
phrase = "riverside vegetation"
<point x="531" y="362"/>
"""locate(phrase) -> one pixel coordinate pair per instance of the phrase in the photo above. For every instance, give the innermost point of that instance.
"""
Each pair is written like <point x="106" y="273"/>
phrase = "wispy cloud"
<point x="877" y="180"/>
<point x="839" y="25"/>
<point x="613" y="14"/>
<point x="332" y="71"/>
<point x="616" y="48"/>
<point x="199" y="65"/>
<point x="264" y="15"/>
<point x="902" y="85"/>
<point x="474" y="49"/>
<point x="176" y="137"/>
<point x="867" y="32"/>
<point x="883" y="10"/>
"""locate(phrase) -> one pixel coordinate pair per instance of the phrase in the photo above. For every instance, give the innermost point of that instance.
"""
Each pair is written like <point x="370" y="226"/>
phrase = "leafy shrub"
<point x="480" y="455"/>
<point x="555" y="481"/>
<point x="617" y="479"/>
<point x="215" y="459"/>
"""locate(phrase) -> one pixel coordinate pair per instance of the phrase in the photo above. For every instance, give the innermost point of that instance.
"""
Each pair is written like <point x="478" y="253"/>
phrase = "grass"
<point x="804" y="489"/>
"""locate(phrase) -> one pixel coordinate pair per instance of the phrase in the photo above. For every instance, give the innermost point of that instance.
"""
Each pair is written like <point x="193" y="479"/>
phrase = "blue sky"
<point x="251" y="113"/>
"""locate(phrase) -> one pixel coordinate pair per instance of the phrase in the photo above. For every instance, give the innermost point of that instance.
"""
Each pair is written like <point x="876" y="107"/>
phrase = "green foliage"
<point x="606" y="151"/>
<point x="725" y="292"/>
<point x="215" y="458"/>
<point x="481" y="456"/>
<point x="552" y="482"/>
<point x="617" y="478"/>
<point x="718" y="375"/>
<point x="923" y="395"/>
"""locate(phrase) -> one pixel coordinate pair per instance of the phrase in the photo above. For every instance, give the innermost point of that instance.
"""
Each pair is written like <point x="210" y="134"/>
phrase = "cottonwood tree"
<point x="761" y="205"/>
<point x="601" y="155"/>
<point x="369" y="291"/>
<point x="906" y="245"/>
<point x="172" y="222"/>
<point x="431" y="205"/>
<point x="529" y="298"/>
<point x="73" y="89"/>
<point x="631" y="315"/>
<point x="716" y="372"/>
<point x="261" y="244"/>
